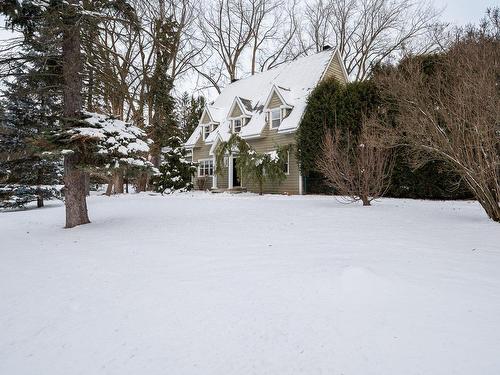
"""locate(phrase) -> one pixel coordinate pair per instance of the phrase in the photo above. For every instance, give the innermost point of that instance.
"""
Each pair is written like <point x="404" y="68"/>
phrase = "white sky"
<point x="462" y="12"/>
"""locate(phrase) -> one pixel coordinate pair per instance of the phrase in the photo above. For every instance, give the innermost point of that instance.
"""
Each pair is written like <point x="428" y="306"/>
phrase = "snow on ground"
<point x="219" y="284"/>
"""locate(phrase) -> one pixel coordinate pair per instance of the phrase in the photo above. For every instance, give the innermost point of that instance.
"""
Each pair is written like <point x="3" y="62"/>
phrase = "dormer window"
<point x="275" y="118"/>
<point x="205" y="131"/>
<point x="236" y="125"/>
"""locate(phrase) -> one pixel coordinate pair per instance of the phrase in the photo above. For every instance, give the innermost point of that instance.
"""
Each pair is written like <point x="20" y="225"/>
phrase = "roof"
<point x="294" y="81"/>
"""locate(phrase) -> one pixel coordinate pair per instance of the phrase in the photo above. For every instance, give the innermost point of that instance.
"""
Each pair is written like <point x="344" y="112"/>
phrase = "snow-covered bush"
<point x="176" y="171"/>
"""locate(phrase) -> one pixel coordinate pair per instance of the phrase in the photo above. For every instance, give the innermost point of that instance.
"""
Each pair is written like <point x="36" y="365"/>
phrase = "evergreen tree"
<point x="29" y="111"/>
<point x="176" y="171"/>
<point x="189" y="111"/>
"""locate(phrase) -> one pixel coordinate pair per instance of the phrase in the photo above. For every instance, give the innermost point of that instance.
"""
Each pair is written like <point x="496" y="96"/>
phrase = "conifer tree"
<point x="176" y="171"/>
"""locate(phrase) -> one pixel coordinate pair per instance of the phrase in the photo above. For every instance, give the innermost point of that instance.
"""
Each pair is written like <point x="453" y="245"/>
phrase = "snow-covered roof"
<point x="293" y="81"/>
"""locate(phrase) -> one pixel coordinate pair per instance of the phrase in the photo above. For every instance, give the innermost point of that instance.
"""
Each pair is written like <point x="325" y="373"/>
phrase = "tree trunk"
<point x="141" y="183"/>
<point x="74" y="178"/>
<point x="87" y="184"/>
<point x="109" y="189"/>
<point x="39" y="201"/>
<point x="365" y="200"/>
<point x="74" y="193"/>
<point x="118" y="181"/>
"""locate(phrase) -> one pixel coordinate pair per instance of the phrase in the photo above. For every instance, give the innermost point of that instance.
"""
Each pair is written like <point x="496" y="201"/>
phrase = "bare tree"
<point x="228" y="26"/>
<point x="359" y="169"/>
<point x="277" y="43"/>
<point x="368" y="32"/>
<point x="449" y="110"/>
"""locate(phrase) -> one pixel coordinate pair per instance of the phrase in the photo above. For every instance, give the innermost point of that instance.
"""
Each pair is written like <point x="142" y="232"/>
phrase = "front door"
<point x="236" y="175"/>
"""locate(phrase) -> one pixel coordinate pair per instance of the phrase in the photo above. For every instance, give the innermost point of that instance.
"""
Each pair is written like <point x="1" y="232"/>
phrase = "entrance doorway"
<point x="236" y="174"/>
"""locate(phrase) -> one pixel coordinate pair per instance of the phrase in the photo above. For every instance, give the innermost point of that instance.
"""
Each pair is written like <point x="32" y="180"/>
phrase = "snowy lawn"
<point x="219" y="284"/>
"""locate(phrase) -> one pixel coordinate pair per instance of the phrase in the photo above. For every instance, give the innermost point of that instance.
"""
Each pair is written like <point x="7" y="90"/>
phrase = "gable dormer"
<point x="277" y="107"/>
<point x="240" y="114"/>
<point x="207" y="123"/>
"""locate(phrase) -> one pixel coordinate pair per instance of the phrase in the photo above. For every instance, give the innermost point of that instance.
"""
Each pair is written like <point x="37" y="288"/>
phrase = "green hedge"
<point x="333" y="104"/>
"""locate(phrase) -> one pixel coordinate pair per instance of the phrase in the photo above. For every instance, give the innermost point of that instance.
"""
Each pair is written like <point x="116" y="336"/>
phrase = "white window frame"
<point x="211" y="127"/>
<point x="202" y="165"/>
<point x="271" y="111"/>
<point x="243" y="121"/>
<point x="287" y="160"/>
<point x="204" y="131"/>
<point x="287" y="163"/>
<point x="234" y="124"/>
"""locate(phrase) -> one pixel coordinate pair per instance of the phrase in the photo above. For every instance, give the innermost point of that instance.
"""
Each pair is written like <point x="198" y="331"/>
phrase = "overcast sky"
<point x="462" y="12"/>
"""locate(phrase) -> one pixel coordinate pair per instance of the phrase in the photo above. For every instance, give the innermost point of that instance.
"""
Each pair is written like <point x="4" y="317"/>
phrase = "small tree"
<point x="176" y="171"/>
<point x="358" y="168"/>
<point x="254" y="166"/>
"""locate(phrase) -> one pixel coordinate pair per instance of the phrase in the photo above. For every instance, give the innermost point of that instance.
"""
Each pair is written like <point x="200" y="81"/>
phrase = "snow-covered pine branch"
<point x="106" y="143"/>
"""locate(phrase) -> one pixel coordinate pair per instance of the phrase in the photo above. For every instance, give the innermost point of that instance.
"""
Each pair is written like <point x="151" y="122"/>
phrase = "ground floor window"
<point x="206" y="167"/>
<point x="286" y="166"/>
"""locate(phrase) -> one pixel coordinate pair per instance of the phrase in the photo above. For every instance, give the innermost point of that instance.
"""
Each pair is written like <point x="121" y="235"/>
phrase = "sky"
<point x="462" y="12"/>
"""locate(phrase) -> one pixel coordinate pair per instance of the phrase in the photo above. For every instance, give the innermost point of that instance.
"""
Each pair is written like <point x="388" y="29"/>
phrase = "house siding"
<point x="334" y="70"/>
<point x="205" y="119"/>
<point x="275" y="101"/>
<point x="236" y="111"/>
<point x="268" y="142"/>
<point x="201" y="151"/>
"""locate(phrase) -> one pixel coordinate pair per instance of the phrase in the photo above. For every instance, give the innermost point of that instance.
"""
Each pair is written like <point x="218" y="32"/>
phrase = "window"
<point x="205" y="131"/>
<point x="236" y="126"/>
<point x="275" y="118"/>
<point x="206" y="167"/>
<point x="286" y="166"/>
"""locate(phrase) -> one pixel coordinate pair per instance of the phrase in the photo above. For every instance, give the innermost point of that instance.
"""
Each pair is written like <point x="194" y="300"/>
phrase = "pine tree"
<point x="189" y="111"/>
<point x="176" y="171"/>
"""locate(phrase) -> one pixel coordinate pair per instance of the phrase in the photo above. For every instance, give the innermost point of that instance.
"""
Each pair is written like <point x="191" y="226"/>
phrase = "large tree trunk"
<point x="74" y="178"/>
<point x="75" y="195"/>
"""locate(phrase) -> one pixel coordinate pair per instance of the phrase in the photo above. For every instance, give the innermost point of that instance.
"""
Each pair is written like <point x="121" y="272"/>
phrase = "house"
<point x="265" y="110"/>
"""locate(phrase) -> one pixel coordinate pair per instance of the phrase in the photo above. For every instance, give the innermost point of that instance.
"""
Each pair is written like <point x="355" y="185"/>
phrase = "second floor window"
<point x="236" y="126"/>
<point x="206" y="131"/>
<point x="275" y="117"/>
